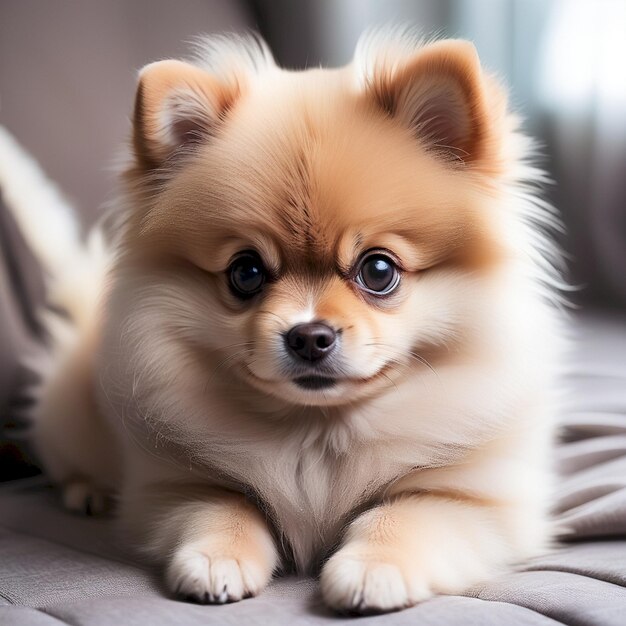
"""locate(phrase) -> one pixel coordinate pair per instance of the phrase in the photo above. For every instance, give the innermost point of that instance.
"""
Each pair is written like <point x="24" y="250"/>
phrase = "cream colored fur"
<point x="427" y="478"/>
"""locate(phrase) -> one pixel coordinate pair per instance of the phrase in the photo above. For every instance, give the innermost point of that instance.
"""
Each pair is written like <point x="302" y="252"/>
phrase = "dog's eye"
<point x="378" y="274"/>
<point x="247" y="274"/>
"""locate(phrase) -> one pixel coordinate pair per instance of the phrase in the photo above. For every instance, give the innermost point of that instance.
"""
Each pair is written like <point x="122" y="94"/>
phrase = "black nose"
<point x="312" y="341"/>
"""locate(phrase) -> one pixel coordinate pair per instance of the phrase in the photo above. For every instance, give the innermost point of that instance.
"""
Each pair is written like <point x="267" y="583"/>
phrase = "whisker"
<point x="234" y="345"/>
<point x="227" y="361"/>
<point x="281" y="319"/>
<point x="399" y="355"/>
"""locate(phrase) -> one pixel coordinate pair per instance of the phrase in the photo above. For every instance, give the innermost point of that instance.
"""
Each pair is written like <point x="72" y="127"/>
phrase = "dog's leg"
<point x="73" y="441"/>
<point x="215" y="545"/>
<point x="404" y="551"/>
<point x="443" y="530"/>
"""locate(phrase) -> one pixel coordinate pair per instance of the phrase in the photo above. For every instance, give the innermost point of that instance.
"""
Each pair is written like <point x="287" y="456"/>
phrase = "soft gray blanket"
<point x="58" y="568"/>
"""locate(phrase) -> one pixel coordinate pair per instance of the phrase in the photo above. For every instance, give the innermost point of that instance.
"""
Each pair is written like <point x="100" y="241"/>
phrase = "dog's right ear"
<point x="177" y="105"/>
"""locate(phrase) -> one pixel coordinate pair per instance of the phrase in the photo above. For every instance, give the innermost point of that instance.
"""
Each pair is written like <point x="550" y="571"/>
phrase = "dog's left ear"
<point x="440" y="94"/>
<point x="177" y="104"/>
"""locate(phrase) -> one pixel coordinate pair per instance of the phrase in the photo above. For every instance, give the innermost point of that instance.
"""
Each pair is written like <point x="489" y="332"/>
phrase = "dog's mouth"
<point x="315" y="383"/>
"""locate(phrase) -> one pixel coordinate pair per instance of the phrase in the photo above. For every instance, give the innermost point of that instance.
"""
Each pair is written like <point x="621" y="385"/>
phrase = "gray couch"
<point x="57" y="567"/>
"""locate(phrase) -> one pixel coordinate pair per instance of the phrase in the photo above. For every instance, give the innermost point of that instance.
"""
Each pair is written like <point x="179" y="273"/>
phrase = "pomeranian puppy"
<point x="326" y="336"/>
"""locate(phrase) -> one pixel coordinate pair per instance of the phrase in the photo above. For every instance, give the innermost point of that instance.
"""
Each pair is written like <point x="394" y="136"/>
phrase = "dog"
<point x="319" y="331"/>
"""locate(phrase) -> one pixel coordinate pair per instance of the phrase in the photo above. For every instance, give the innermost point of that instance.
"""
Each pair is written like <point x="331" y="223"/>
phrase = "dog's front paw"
<point x="368" y="583"/>
<point x="198" y="575"/>
<point x="386" y="564"/>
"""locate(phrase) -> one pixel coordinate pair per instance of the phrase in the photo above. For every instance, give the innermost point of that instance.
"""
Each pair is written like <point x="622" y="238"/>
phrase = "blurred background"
<point x="68" y="69"/>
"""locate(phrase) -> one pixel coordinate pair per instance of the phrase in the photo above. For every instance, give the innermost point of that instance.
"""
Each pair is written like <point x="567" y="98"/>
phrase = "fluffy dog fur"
<point x="425" y="469"/>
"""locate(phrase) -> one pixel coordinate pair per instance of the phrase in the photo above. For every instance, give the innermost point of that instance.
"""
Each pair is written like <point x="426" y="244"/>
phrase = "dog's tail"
<point x="74" y="268"/>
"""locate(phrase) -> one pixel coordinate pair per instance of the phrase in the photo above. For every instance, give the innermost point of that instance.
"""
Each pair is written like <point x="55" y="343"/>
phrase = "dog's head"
<point x="315" y="232"/>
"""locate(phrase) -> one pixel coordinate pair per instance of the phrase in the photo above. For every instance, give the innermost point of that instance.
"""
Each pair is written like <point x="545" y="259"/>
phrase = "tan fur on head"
<point x="438" y="420"/>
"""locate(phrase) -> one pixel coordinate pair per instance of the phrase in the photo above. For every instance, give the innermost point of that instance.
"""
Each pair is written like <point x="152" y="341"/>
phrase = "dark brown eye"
<point x="378" y="274"/>
<point x="247" y="275"/>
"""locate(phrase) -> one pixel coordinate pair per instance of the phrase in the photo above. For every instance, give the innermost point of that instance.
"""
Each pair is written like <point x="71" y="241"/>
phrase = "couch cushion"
<point x="37" y="573"/>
